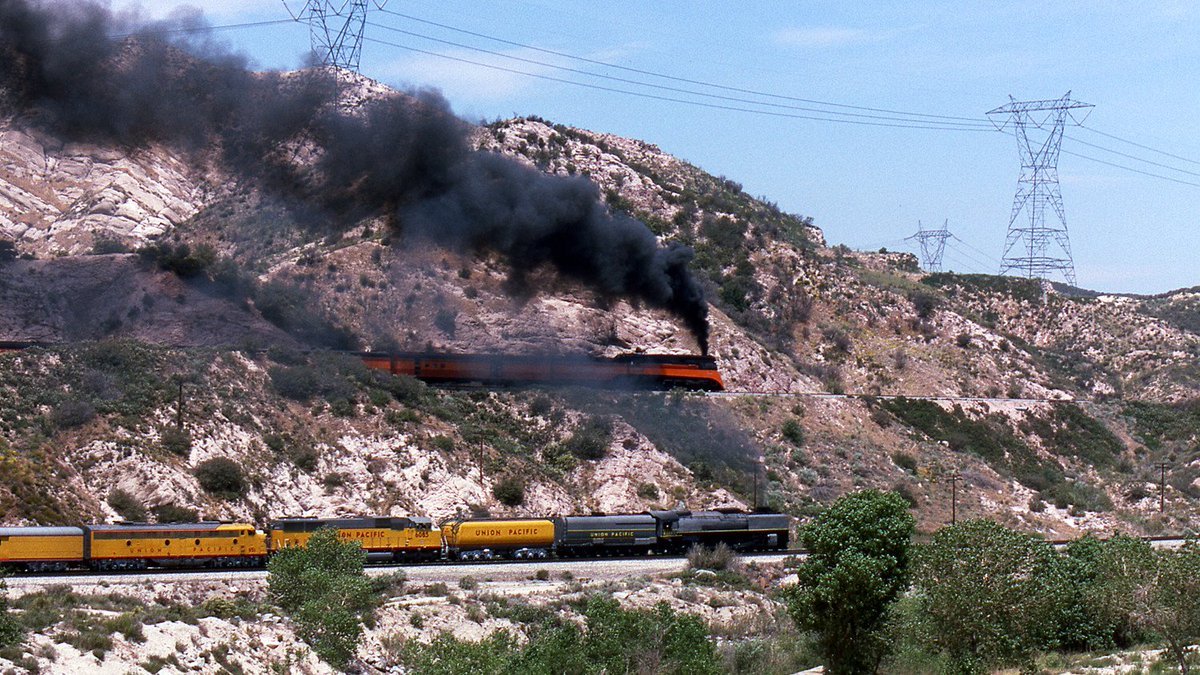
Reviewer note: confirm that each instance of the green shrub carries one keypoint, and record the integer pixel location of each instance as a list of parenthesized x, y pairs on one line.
[(716, 558), (173, 513), (541, 405), (323, 589), (924, 304), (181, 260), (126, 505), (221, 477), (445, 319), (72, 413), (509, 491), (856, 568), (905, 461), (11, 632), (299, 383), (613, 640), (176, 441), (305, 456), (793, 432), (591, 439), (334, 480), (647, 491), (8, 251)]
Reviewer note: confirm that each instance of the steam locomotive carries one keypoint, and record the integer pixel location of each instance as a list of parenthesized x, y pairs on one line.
[(137, 546), (632, 371)]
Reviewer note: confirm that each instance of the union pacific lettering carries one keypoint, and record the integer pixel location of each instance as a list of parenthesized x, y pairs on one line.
[(611, 534), (508, 532), (349, 535)]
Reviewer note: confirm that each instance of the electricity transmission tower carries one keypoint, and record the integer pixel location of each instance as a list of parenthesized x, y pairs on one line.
[(335, 28), (1035, 248), (933, 245)]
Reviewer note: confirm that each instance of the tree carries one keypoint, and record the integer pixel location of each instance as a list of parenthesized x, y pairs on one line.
[(988, 596), (1103, 579), (1171, 607), (857, 566), (323, 589)]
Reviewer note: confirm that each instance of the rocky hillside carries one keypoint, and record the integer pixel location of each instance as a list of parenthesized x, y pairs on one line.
[(1052, 406)]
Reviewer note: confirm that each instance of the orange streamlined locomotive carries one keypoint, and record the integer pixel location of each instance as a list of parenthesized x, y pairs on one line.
[(634, 371), (625, 371)]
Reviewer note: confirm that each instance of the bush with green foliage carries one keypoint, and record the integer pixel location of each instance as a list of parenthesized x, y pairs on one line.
[(221, 477), (72, 413), (989, 597), (173, 513), (509, 491), (613, 640), (126, 505), (715, 558), (11, 631), (591, 439), (793, 432), (1169, 601), (176, 441), (323, 589), (856, 568), (181, 260)]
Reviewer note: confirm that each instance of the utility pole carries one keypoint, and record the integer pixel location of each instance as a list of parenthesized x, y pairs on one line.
[(933, 245), (1027, 247), (954, 478), (1162, 486), (479, 463), (179, 407)]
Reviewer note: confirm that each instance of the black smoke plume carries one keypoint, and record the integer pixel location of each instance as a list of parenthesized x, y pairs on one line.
[(404, 157)]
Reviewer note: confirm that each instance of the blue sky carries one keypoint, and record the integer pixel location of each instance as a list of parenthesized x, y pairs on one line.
[(867, 187)]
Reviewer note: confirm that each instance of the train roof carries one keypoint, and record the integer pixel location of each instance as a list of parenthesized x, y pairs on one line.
[(170, 527), (629, 357), (349, 521), (40, 531)]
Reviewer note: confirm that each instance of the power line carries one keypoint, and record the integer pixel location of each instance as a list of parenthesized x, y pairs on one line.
[(676, 78), (986, 255), (1138, 145), (199, 29), (678, 90), (656, 97), (923, 124), (1129, 168), (1133, 157), (984, 267)]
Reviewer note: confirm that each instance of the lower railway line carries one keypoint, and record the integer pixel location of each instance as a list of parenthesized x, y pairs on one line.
[(446, 571)]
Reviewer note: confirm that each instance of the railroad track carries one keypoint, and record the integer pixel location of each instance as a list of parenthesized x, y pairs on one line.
[(447, 571)]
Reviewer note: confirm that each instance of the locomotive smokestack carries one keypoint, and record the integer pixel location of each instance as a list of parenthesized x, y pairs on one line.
[(405, 157)]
